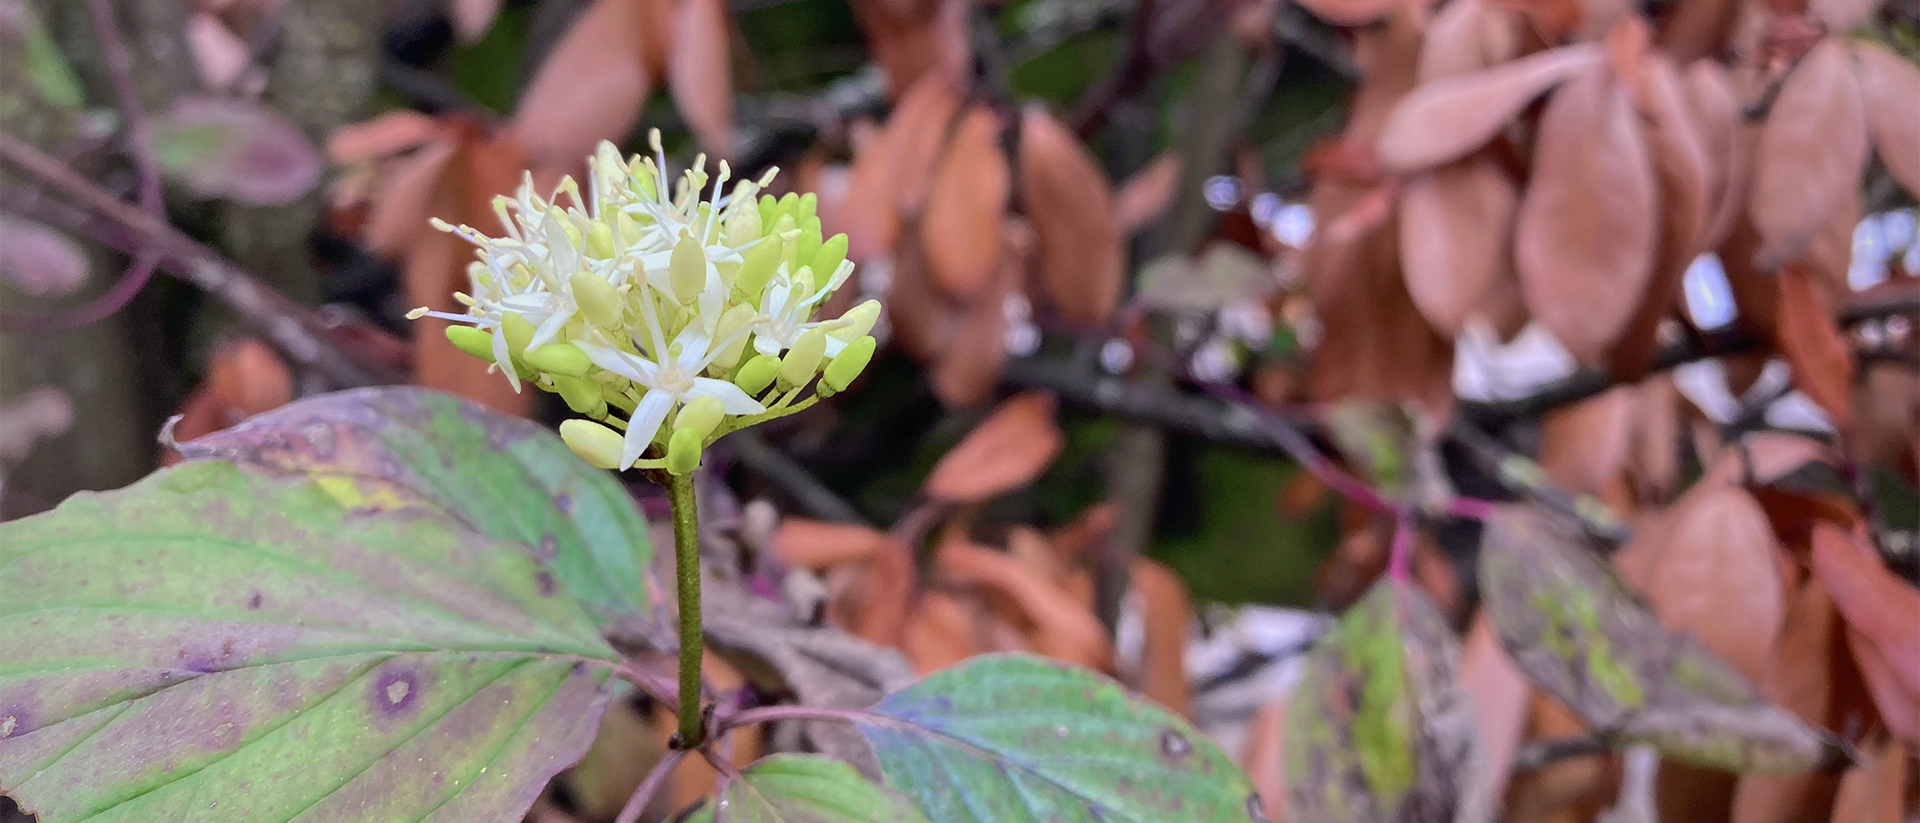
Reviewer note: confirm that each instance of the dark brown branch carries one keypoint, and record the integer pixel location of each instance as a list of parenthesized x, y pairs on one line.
[(273, 315)]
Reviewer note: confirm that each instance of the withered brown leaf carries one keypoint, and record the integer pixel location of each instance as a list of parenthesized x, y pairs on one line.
[(1446, 119), (1812, 149)]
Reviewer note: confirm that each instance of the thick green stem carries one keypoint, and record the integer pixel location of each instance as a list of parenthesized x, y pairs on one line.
[(686, 562)]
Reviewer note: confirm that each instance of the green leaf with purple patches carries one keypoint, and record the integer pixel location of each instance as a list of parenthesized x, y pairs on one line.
[(212, 645), (801, 788), (502, 476), (1009, 738)]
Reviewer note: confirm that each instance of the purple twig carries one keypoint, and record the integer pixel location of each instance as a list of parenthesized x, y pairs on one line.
[(1400, 555), (650, 786)]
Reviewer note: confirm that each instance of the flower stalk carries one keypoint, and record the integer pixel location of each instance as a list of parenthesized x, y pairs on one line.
[(686, 572)]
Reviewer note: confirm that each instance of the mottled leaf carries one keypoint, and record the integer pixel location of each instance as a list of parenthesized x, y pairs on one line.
[(965, 207), (1584, 243), (1888, 86), (1580, 636), (1012, 738), (799, 788), (35, 260), (1066, 196), (1379, 729), (504, 477), (1449, 118), (236, 150), (1812, 149), (212, 645), (1456, 238)]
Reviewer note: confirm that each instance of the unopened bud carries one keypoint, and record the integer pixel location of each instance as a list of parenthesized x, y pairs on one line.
[(757, 374), (600, 240), (472, 341), (809, 206), (597, 299), (857, 321), (701, 417), (559, 358), (786, 232), (594, 443), (832, 252), (809, 245), (758, 268), (789, 206), (582, 394), (803, 360), (803, 281), (519, 333), (848, 364), (683, 452), (768, 209), (687, 269), (743, 227)]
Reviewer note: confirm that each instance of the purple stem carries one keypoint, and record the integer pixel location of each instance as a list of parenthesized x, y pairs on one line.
[(650, 786), (772, 714), (1400, 555)]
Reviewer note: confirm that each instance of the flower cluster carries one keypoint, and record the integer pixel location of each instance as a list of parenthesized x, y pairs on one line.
[(652, 310)]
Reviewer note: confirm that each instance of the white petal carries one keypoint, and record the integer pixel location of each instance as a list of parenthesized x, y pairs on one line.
[(549, 329), (633, 367), (732, 398), (505, 360), (766, 345), (644, 424)]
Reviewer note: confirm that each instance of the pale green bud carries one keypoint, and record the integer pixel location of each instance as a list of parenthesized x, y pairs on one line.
[(758, 268), (786, 232), (642, 175), (583, 395), (472, 341), (757, 374), (768, 209), (687, 268), (519, 334), (594, 443), (803, 360), (809, 245), (858, 321), (808, 207), (559, 358), (701, 417), (600, 240), (789, 207), (743, 227), (848, 364), (597, 299), (683, 452), (728, 356), (803, 280), (833, 251)]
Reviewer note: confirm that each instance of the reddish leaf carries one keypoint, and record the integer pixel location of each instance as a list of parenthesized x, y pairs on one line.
[(1262, 754), (1053, 623), (1883, 609), (1800, 677), (472, 18), (1144, 196), (1585, 240), (1898, 704), (1681, 171), (966, 206), (1726, 141), (1349, 12), (1447, 119), (1467, 36), (1714, 577), (390, 133), (966, 372), (1009, 449), (814, 544), (699, 72), (1167, 611), (1888, 86), (1843, 15), (1875, 789), (1697, 29), (913, 41), (400, 212), (1812, 149), (1584, 446), (1821, 359), (1456, 233), (36, 260), (890, 175), (1066, 197), (1499, 693), (591, 87), (1654, 461)]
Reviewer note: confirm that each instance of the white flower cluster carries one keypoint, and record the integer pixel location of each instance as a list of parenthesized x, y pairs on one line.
[(644, 299)]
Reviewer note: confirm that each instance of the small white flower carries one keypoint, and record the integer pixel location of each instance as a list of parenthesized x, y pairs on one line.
[(786, 312)]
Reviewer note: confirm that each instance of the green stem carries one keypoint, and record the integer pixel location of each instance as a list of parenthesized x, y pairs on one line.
[(686, 557)]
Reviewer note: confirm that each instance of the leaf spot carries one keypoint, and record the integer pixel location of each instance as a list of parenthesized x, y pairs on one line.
[(397, 691), (8, 724), (545, 581), (394, 692), (1175, 745), (549, 547), (253, 603), (1256, 809)]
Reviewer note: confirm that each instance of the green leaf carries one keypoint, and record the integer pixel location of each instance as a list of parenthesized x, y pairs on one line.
[(1578, 633), (1009, 738), (46, 68), (211, 645), (502, 476), (1379, 727), (798, 788)]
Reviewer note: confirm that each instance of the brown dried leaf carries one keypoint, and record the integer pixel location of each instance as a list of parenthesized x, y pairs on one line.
[(1586, 445), (966, 372), (1065, 196), (1801, 678), (1843, 15), (1888, 86), (966, 207), (1681, 172), (915, 41), (472, 18), (1009, 449), (942, 631), (1144, 196), (1875, 789), (815, 544), (1714, 577), (890, 174), (1499, 693), (1449, 118), (390, 133), (1726, 141), (1812, 149), (700, 73), (591, 87), (1456, 237), (1262, 754), (1467, 36), (1812, 344), (400, 213), (1696, 29), (1585, 239), (1349, 12), (1882, 609), (1168, 611), (1654, 461), (1051, 621)]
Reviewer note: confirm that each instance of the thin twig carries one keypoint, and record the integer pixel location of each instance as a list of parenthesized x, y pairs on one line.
[(814, 498), (1541, 753), (286, 324), (775, 714), (1523, 475), (656, 777)]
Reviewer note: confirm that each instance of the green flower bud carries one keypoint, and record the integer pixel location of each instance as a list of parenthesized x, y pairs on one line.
[(559, 358), (803, 280), (594, 443), (743, 227), (768, 207), (472, 341), (786, 232), (701, 417), (582, 394), (683, 452), (519, 334), (642, 176), (803, 360), (848, 364), (757, 374), (597, 299), (858, 321), (758, 268), (832, 252), (600, 240), (789, 206), (809, 245), (808, 207), (687, 269)]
